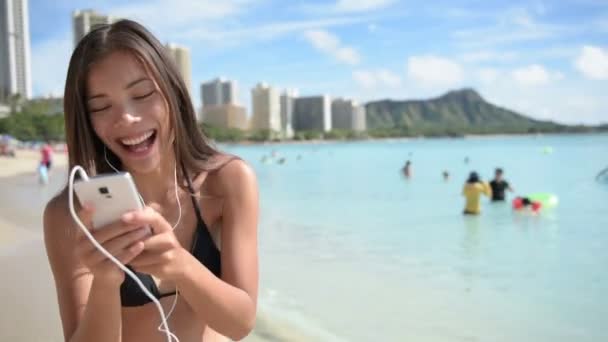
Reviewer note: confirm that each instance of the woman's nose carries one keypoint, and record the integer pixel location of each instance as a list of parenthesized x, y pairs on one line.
[(128, 116)]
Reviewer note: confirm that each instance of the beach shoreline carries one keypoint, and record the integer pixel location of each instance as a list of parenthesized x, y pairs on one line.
[(29, 294)]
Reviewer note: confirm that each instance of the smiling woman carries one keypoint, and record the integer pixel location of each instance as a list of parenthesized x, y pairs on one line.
[(127, 109)]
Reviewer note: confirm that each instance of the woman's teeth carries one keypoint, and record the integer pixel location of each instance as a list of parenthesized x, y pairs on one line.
[(137, 140)]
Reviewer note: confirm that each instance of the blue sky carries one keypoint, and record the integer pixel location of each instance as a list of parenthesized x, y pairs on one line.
[(546, 59)]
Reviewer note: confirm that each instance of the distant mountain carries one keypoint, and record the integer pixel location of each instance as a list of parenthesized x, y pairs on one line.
[(457, 112)]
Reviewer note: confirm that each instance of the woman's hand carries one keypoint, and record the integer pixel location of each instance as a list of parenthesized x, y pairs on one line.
[(123, 241), (162, 253)]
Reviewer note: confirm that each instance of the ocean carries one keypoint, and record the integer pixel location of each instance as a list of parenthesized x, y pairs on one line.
[(352, 251)]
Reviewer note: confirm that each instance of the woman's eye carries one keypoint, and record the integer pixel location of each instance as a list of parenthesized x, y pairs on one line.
[(143, 96), (101, 109)]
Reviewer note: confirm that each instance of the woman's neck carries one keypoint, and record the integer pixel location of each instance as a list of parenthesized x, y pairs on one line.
[(159, 185)]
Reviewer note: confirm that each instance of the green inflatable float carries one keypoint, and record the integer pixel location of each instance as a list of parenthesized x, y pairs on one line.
[(546, 199)]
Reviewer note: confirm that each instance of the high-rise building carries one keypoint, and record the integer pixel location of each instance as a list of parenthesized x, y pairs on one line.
[(225, 116), (218, 92), (84, 21), (229, 91), (15, 69), (265, 108), (347, 115), (287, 99), (312, 113), (181, 56)]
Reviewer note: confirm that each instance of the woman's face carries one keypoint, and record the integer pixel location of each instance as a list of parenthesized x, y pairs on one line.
[(128, 111)]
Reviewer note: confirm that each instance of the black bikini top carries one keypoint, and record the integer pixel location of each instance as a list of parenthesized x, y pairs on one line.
[(203, 249)]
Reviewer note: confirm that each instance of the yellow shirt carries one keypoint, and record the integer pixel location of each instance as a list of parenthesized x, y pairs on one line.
[(472, 192)]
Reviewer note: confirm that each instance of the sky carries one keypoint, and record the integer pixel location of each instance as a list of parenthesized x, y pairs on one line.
[(545, 59)]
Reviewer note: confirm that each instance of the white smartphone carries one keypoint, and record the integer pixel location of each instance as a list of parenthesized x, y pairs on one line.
[(112, 195)]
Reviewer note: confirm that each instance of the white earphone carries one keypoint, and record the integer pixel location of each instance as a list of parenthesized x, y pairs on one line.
[(164, 326)]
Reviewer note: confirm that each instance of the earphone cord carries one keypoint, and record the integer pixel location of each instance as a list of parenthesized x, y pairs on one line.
[(164, 326)]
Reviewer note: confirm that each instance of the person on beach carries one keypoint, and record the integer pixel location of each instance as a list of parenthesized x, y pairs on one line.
[(472, 191), (126, 106), (46, 155), (44, 167), (499, 185)]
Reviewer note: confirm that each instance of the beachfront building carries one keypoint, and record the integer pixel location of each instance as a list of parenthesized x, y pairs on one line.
[(15, 67), (347, 115), (83, 21), (222, 93), (287, 102), (312, 113), (226, 116), (266, 109), (218, 92), (181, 57)]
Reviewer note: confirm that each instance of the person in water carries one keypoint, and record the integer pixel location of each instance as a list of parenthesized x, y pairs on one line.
[(127, 106), (499, 185), (525, 203), (446, 175), (407, 169), (472, 191)]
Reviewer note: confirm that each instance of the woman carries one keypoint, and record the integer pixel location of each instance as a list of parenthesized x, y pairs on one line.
[(472, 191), (126, 106)]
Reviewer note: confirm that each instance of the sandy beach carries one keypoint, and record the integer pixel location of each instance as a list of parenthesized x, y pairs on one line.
[(27, 288)]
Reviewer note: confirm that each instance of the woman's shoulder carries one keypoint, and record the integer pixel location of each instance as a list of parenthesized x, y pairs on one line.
[(58, 204), (232, 174)]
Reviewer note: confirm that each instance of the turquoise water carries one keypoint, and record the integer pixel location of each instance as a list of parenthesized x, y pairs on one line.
[(351, 251)]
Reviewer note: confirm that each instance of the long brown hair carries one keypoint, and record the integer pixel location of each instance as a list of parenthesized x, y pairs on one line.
[(192, 148)]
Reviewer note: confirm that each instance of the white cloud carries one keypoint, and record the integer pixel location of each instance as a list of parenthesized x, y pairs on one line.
[(488, 75), (346, 6), (366, 79), (331, 45), (434, 70), (488, 55), (535, 74), (531, 75), (388, 78), (513, 26), (182, 13), (380, 78), (593, 63), (262, 32), (54, 52), (361, 5)]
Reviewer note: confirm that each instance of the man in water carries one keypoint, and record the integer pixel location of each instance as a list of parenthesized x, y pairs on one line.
[(499, 185)]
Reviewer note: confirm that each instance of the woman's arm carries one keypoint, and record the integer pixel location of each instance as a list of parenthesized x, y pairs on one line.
[(228, 305), (90, 310)]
